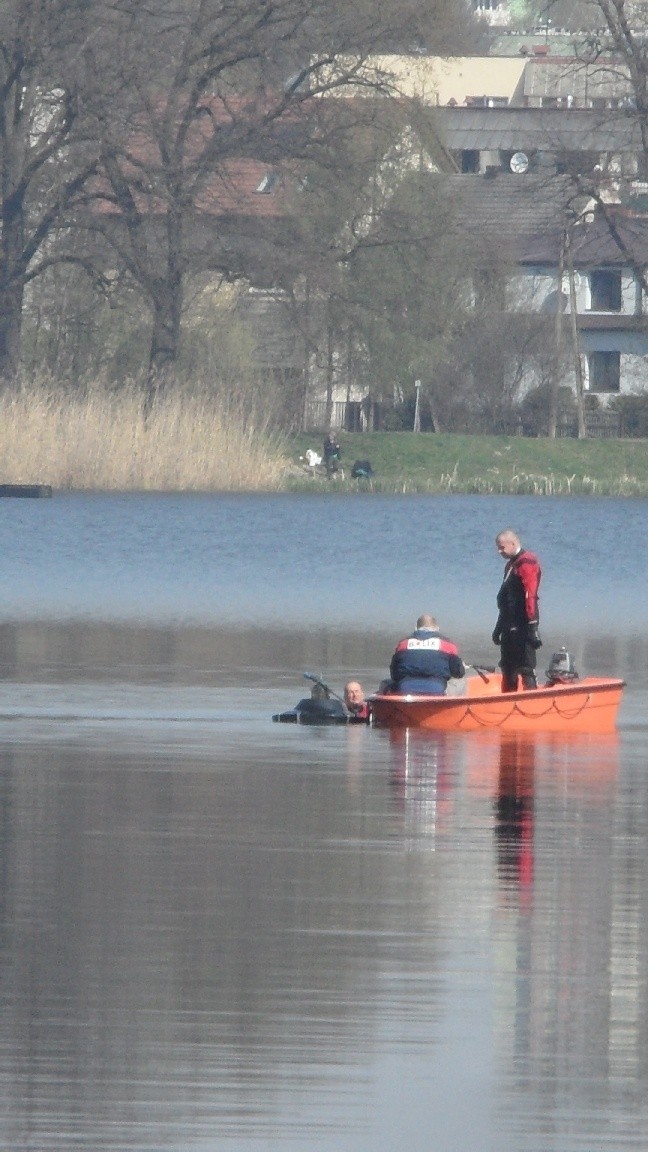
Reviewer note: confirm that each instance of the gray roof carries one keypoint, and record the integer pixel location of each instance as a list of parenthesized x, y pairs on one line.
[(539, 129), (522, 220), (602, 79), (593, 244), (503, 214)]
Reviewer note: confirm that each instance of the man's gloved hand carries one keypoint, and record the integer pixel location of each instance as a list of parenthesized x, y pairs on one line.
[(497, 637), (534, 638)]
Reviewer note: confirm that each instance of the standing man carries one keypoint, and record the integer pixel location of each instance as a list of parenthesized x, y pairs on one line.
[(516, 631), (332, 455)]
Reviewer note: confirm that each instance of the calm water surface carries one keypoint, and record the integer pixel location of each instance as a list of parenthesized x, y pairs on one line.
[(220, 933)]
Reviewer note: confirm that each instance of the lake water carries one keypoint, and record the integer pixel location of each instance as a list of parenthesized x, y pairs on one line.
[(217, 932)]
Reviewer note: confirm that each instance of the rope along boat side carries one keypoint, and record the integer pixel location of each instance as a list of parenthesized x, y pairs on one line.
[(587, 705)]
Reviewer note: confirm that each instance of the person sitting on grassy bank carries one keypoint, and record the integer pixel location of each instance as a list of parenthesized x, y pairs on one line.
[(332, 455)]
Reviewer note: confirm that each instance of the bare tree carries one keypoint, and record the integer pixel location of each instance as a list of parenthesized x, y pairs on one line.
[(46, 153), (622, 44), (619, 47), (209, 85)]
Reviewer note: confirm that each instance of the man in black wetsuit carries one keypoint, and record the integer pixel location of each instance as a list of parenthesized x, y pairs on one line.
[(516, 631)]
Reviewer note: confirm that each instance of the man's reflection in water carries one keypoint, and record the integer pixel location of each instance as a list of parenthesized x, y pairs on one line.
[(514, 812), (356, 736), (422, 778)]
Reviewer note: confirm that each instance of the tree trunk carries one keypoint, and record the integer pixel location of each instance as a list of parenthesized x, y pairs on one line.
[(11, 307), (578, 367), (165, 338), (12, 283), (434, 411), (555, 380), (330, 374)]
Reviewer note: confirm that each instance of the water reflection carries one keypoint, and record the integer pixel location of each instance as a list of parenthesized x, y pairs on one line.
[(220, 932), (423, 777), (566, 910), (514, 813), (275, 938)]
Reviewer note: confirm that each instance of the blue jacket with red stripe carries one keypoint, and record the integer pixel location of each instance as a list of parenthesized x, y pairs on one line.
[(424, 662)]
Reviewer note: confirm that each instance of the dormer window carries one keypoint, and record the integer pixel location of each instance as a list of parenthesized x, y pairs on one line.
[(605, 290), (469, 160)]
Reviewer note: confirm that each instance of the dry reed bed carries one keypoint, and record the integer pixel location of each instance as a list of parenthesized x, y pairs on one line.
[(102, 439)]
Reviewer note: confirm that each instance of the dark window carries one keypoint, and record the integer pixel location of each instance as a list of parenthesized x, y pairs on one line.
[(470, 160), (576, 163), (605, 290), (604, 371)]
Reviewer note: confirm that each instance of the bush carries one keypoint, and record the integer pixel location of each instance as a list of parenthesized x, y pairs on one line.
[(634, 414), (534, 409)]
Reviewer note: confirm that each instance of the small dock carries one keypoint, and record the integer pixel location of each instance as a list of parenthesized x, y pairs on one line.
[(29, 491)]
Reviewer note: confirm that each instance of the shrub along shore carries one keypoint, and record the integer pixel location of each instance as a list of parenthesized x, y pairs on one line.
[(97, 438), (512, 465)]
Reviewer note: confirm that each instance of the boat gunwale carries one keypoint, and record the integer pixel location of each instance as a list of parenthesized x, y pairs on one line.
[(586, 684)]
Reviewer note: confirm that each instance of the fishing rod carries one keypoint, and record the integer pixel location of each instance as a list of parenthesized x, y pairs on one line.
[(481, 670), (329, 691)]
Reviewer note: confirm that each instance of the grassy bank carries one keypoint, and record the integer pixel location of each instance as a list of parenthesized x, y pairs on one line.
[(95, 438), (100, 439), (410, 462)]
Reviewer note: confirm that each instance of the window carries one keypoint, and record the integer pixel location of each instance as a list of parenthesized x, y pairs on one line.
[(604, 370), (470, 160), (576, 163), (605, 290)]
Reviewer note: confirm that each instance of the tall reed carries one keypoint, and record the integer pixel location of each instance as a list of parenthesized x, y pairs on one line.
[(97, 438)]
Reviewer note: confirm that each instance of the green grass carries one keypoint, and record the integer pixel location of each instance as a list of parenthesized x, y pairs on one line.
[(425, 462)]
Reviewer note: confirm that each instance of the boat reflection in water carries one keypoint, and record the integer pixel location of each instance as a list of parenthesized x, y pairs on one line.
[(431, 770), (556, 763), (423, 776), (521, 774)]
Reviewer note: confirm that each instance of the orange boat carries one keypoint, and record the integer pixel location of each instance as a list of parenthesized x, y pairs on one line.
[(587, 705)]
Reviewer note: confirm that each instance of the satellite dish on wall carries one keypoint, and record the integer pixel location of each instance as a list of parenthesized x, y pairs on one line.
[(519, 163)]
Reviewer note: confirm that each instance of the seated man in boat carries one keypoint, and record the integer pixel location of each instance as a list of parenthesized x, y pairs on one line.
[(424, 662), (354, 698)]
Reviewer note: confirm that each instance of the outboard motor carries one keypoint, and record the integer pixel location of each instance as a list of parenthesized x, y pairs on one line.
[(561, 669)]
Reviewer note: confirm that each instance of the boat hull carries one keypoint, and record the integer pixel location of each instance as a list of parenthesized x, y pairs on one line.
[(588, 705)]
